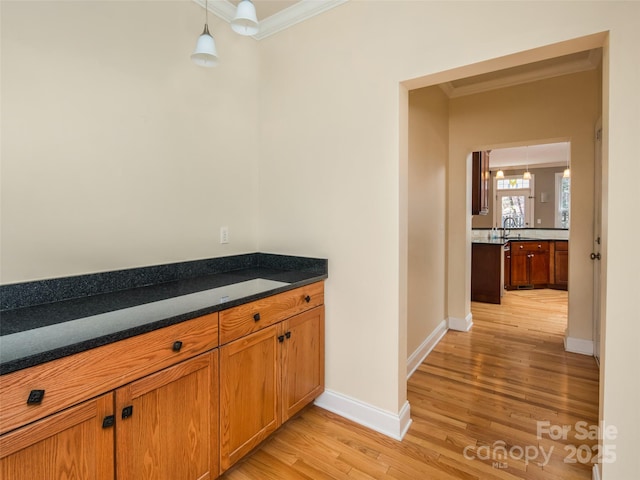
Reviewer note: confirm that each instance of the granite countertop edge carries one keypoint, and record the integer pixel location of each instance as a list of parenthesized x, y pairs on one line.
[(504, 241), (295, 271)]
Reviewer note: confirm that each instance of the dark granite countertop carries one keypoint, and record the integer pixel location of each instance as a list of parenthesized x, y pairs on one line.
[(490, 241), (49, 319)]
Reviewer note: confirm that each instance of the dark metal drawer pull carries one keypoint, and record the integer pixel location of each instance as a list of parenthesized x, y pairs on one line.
[(35, 397), (177, 345), (256, 317), (127, 412)]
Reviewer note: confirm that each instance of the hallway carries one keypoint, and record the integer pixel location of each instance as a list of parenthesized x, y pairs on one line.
[(473, 392)]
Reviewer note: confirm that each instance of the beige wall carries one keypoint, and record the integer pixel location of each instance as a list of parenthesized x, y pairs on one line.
[(117, 151), (564, 108), (545, 181), (331, 140), (428, 158), (330, 151)]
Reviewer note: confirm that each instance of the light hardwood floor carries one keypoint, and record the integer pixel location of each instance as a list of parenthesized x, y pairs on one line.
[(474, 391)]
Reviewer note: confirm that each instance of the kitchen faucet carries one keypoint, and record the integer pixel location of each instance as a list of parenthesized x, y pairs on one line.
[(507, 224)]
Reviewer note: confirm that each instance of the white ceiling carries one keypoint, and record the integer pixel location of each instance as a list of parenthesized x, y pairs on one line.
[(535, 156), (273, 15)]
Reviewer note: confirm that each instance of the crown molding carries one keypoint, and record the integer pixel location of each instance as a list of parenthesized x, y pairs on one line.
[(508, 80), (286, 18)]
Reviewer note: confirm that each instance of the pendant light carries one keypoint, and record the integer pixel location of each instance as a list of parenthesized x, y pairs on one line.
[(205, 53), (245, 21), (527, 175), (567, 171), (499, 174)]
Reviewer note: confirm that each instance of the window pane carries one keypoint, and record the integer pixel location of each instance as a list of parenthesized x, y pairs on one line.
[(512, 183), (513, 211), (565, 200)]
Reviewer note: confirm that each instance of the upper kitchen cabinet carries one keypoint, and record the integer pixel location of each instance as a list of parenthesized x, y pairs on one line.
[(480, 183)]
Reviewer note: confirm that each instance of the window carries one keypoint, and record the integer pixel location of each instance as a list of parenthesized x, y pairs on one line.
[(563, 201), (513, 203)]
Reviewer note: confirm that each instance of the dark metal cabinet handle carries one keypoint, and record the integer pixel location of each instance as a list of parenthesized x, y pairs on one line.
[(109, 421), (256, 317), (281, 338), (35, 397), (288, 335), (177, 345), (307, 299), (127, 412)]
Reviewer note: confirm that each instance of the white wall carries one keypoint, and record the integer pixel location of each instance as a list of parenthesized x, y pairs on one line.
[(565, 108), (117, 151), (427, 189), (331, 166), (330, 148)]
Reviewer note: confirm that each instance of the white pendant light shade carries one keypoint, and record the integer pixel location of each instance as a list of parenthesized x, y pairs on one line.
[(499, 174), (526, 175), (566, 173), (205, 54), (245, 21)]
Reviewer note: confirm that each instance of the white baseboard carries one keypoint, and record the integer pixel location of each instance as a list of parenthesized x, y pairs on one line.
[(417, 357), (578, 345), (461, 324), (383, 421), (595, 473)]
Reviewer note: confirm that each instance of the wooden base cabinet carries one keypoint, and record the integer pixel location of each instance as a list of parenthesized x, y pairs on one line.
[(267, 377), (529, 264), (248, 394), (167, 423), (71, 444)]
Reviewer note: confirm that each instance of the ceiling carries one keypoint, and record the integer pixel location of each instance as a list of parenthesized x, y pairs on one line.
[(530, 72), (273, 15)]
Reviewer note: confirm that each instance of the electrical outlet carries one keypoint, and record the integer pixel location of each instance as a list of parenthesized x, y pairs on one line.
[(224, 234)]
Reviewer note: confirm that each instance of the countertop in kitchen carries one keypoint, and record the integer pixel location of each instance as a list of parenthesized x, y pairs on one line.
[(49, 319)]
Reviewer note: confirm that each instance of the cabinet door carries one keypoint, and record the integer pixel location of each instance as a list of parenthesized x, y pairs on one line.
[(71, 444), (507, 269), (167, 423), (539, 268), (519, 268), (561, 267), (248, 393), (302, 360)]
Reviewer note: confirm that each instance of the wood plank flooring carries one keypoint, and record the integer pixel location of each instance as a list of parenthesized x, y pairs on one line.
[(477, 391)]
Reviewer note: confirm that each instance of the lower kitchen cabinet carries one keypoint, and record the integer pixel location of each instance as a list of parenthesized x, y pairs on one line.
[(71, 444), (169, 404), (561, 265), (529, 264), (267, 377), (302, 360), (167, 423), (248, 393)]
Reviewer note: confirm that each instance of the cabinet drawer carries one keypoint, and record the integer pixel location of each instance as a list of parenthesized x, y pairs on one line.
[(529, 246), (73, 379), (244, 319)]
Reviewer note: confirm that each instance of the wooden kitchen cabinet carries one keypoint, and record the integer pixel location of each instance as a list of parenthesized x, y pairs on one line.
[(486, 272), (529, 264), (302, 360), (480, 179), (167, 425), (561, 265), (77, 443), (170, 433), (507, 266), (248, 394), (269, 375)]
